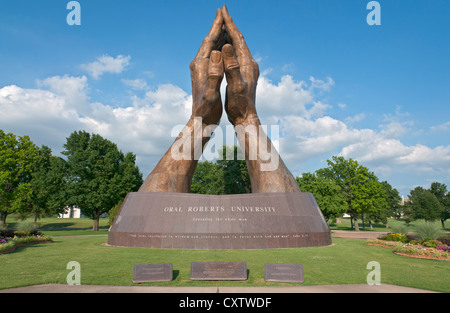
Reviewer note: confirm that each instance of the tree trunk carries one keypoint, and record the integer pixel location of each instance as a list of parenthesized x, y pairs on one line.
[(3, 215), (96, 222), (356, 223), (370, 225), (364, 225)]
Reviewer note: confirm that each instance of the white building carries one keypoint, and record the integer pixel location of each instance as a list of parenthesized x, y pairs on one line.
[(70, 212)]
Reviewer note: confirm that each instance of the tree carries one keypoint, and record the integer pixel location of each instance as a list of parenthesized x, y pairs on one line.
[(446, 211), (208, 179), (48, 185), (100, 174), (17, 158), (223, 177), (235, 171), (422, 204), (361, 189), (326, 192), (393, 200), (392, 209), (441, 193)]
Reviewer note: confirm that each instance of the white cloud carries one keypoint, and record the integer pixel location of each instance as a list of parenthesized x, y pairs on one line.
[(106, 64), (355, 119), (49, 116), (441, 127), (136, 84), (320, 84), (71, 90), (42, 114), (289, 97)]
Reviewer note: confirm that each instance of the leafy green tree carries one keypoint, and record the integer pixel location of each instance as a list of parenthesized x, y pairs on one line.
[(17, 158), (441, 193), (48, 185), (226, 176), (327, 193), (361, 188), (235, 171), (208, 179), (100, 174), (392, 209), (393, 200), (422, 204)]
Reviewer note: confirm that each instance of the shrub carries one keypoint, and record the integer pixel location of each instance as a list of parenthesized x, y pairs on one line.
[(393, 244), (445, 240), (113, 212), (8, 233), (400, 229), (26, 226), (395, 237), (22, 233), (428, 231), (431, 243)]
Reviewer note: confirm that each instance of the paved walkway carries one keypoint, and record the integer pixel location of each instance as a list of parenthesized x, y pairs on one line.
[(151, 289), (357, 234)]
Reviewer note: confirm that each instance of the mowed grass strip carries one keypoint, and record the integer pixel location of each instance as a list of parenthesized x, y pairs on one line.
[(343, 263)]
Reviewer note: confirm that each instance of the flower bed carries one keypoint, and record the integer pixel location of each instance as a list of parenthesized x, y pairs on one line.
[(426, 250), (8, 245)]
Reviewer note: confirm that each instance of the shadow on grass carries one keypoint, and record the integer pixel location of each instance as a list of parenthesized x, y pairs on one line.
[(31, 245)]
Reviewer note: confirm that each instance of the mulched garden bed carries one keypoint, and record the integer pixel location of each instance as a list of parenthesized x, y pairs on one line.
[(418, 256)]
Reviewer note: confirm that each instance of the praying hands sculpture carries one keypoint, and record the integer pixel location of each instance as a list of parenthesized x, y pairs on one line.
[(223, 52)]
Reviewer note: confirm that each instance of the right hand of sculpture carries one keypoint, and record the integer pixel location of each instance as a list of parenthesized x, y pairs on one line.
[(242, 73)]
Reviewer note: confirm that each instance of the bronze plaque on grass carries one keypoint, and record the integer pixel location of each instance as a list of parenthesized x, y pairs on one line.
[(147, 273), (292, 273), (218, 271)]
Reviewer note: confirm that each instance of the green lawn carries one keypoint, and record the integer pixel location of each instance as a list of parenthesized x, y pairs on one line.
[(53, 226), (343, 263), (392, 223)]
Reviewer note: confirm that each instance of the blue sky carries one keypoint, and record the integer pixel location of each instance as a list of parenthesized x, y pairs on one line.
[(334, 84)]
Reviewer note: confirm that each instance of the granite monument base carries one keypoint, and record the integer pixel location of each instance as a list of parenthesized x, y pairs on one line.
[(228, 222)]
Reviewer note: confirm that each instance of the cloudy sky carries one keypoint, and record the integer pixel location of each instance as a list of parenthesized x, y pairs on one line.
[(333, 84)]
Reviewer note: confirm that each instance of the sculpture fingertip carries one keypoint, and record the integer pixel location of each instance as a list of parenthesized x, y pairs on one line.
[(225, 9)]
